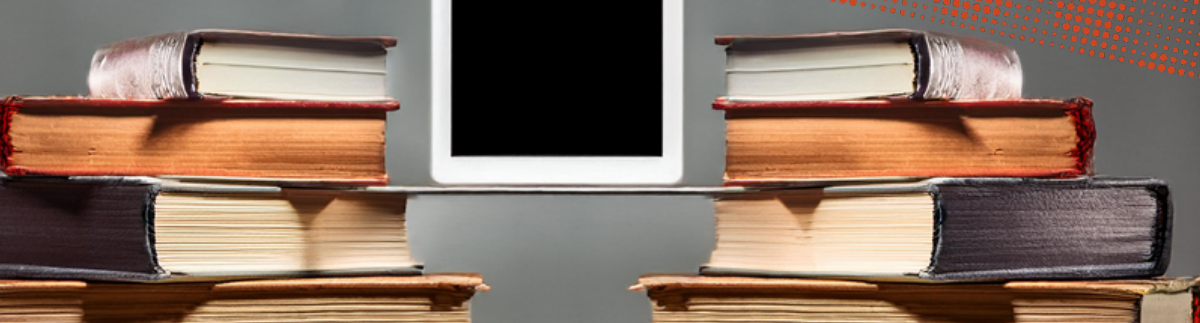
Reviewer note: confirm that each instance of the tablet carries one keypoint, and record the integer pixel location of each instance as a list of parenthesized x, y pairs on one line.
[(537, 93)]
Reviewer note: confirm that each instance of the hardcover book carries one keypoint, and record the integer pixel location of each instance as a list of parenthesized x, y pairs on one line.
[(769, 143), (143, 230), (677, 298), (893, 63), (215, 63), (340, 142), (430, 298), (948, 229)]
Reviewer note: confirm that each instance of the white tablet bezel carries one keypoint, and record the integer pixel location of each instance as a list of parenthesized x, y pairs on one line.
[(665, 170)]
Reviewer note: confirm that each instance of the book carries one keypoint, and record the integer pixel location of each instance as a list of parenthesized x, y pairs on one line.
[(784, 143), (336, 142), (680, 298), (219, 63), (949, 229), (892, 63), (429, 298), (147, 230)]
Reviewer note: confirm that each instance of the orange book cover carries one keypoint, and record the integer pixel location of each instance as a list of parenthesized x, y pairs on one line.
[(319, 141), (775, 143)]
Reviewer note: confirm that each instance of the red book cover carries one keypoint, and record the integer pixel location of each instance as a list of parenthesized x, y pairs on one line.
[(784, 142), (335, 142)]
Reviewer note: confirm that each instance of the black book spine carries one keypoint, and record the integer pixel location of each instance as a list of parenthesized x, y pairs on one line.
[(1012, 229), (73, 229)]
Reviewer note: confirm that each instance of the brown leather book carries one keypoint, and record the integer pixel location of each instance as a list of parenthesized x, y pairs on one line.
[(783, 143), (429, 298), (218, 63), (680, 298), (339, 142), (891, 63)]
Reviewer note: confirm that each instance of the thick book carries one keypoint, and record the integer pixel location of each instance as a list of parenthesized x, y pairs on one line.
[(948, 229), (789, 142), (146, 230), (678, 298), (430, 298), (216, 63), (341, 142), (893, 63)]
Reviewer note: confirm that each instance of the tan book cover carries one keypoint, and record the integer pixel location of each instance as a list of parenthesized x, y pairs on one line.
[(687, 298), (429, 298)]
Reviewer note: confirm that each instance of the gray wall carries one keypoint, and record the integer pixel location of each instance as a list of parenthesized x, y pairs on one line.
[(570, 258)]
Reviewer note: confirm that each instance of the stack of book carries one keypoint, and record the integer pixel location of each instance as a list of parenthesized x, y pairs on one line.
[(231, 166), (953, 199)]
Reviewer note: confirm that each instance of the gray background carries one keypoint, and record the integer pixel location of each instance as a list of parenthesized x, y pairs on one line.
[(570, 258)]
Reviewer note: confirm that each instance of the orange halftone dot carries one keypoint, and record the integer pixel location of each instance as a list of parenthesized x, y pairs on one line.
[(1077, 20)]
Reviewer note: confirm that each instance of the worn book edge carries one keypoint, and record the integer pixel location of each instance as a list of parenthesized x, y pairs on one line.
[(663, 282), (162, 66), (12, 105), (947, 66), (1155, 266), (467, 282), (1079, 110)]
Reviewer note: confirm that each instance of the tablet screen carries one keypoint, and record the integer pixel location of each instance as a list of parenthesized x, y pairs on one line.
[(533, 78)]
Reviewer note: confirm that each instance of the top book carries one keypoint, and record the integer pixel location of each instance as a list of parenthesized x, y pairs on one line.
[(243, 64), (868, 64)]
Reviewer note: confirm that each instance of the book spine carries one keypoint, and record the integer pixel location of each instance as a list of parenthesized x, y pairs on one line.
[(951, 67), (1080, 111), (1050, 229), (8, 108), (153, 67), (98, 229), (1195, 306)]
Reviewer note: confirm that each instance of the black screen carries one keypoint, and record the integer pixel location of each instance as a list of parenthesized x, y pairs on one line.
[(534, 78)]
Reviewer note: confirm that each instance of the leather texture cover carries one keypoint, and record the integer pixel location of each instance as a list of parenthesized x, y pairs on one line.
[(95, 229), (995, 229), (1013, 229), (1079, 111), (102, 229), (12, 105), (948, 66), (163, 66)]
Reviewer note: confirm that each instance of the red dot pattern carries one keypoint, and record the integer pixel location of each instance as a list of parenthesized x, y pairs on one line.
[(1100, 28)]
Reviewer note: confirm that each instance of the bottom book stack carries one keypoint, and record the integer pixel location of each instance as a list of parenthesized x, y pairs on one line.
[(952, 250), (428, 298), (741, 299)]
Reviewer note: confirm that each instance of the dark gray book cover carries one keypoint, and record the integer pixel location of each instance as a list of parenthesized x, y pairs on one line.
[(989, 229), (103, 228)]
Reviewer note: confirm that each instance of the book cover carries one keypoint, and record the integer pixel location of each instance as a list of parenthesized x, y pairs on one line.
[(782, 143), (428, 298), (682, 298), (949, 229), (333, 142), (169, 66), (926, 65), (145, 230)]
